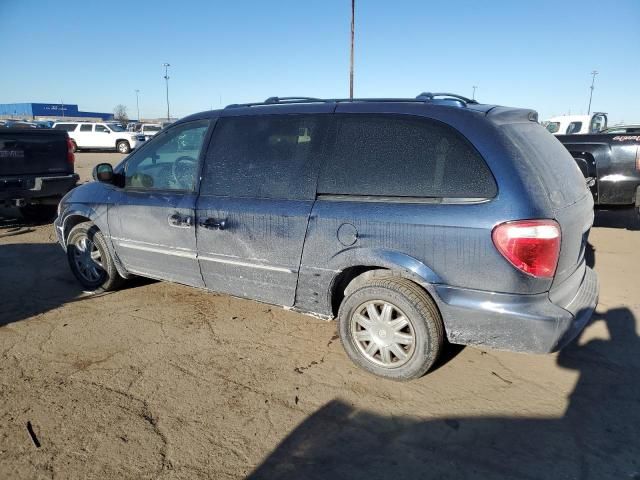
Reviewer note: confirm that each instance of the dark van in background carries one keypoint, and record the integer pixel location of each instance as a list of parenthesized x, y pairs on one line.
[(410, 220)]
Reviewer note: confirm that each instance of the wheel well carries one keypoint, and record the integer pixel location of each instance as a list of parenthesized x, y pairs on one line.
[(72, 222), (586, 163), (122, 140), (342, 280)]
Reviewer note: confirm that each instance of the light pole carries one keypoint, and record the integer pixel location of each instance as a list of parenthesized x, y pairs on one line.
[(166, 77), (593, 81), (138, 104), (353, 27), (473, 97)]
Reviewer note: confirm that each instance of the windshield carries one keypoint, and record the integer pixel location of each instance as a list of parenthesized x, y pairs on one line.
[(116, 128)]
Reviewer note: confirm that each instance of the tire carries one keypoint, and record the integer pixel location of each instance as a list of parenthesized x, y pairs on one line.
[(39, 213), (123, 147), (406, 299), (98, 272)]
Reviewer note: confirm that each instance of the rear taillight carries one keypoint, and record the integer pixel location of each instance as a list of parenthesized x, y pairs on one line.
[(638, 158), (532, 246), (71, 158)]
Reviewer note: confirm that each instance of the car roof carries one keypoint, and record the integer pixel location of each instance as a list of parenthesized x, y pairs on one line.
[(420, 105)]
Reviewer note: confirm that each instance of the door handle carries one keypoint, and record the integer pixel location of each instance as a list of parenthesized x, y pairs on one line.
[(180, 221), (213, 224)]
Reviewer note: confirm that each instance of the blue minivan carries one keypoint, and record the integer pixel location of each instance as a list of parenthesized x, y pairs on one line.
[(410, 221)]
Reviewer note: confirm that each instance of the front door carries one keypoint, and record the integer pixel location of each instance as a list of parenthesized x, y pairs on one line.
[(256, 196), (152, 220)]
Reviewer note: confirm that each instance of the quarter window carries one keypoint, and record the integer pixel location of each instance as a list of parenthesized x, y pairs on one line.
[(264, 156), (390, 155), (170, 162)]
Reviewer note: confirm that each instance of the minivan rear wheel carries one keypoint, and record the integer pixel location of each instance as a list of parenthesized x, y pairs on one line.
[(90, 260), (392, 328)]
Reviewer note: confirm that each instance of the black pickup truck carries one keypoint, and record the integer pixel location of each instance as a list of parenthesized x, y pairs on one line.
[(613, 162), (36, 170)]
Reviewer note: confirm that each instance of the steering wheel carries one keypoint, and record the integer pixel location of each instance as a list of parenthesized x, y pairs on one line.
[(183, 170)]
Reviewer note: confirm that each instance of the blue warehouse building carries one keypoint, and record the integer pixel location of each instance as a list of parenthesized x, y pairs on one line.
[(39, 111)]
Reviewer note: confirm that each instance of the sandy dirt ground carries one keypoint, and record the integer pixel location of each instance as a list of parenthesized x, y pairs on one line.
[(164, 381)]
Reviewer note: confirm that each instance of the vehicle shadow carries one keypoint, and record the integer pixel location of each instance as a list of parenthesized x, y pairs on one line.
[(623, 218), (34, 278), (596, 438)]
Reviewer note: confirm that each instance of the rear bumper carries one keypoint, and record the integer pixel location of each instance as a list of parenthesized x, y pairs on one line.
[(22, 190), (522, 323)]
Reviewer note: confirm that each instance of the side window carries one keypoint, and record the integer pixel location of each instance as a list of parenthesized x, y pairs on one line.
[(170, 162), (574, 127), (553, 127), (266, 156), (400, 156), (598, 122), (86, 128), (69, 127), (101, 128)]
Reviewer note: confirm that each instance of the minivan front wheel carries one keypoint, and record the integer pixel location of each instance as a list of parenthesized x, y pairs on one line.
[(392, 328), (90, 260)]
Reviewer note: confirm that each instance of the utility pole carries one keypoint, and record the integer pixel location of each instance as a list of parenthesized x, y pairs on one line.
[(353, 27), (473, 97), (138, 104), (166, 77), (593, 81)]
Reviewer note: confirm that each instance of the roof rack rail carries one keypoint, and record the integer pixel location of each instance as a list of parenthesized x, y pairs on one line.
[(422, 98), (428, 96), (272, 100)]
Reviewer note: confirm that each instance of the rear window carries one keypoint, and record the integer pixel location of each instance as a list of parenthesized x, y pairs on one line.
[(86, 128), (550, 161), (69, 127), (402, 156)]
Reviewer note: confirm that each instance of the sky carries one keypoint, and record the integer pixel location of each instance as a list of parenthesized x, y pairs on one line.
[(536, 54)]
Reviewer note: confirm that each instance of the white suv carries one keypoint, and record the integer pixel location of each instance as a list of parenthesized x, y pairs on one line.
[(150, 129), (101, 136)]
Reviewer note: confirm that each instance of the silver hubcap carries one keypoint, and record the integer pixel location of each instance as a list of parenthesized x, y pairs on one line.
[(87, 259), (383, 334), (123, 147)]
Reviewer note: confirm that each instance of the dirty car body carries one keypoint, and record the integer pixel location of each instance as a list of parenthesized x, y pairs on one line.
[(306, 203)]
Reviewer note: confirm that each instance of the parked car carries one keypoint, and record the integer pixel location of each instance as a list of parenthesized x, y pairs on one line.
[(611, 162), (44, 123), (19, 124), (410, 220), (36, 170), (149, 130), (100, 136), (627, 129), (573, 124)]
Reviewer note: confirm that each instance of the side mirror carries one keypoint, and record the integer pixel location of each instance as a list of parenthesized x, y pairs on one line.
[(103, 172)]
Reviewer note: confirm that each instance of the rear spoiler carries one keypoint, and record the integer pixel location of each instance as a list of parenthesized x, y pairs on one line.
[(503, 115)]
